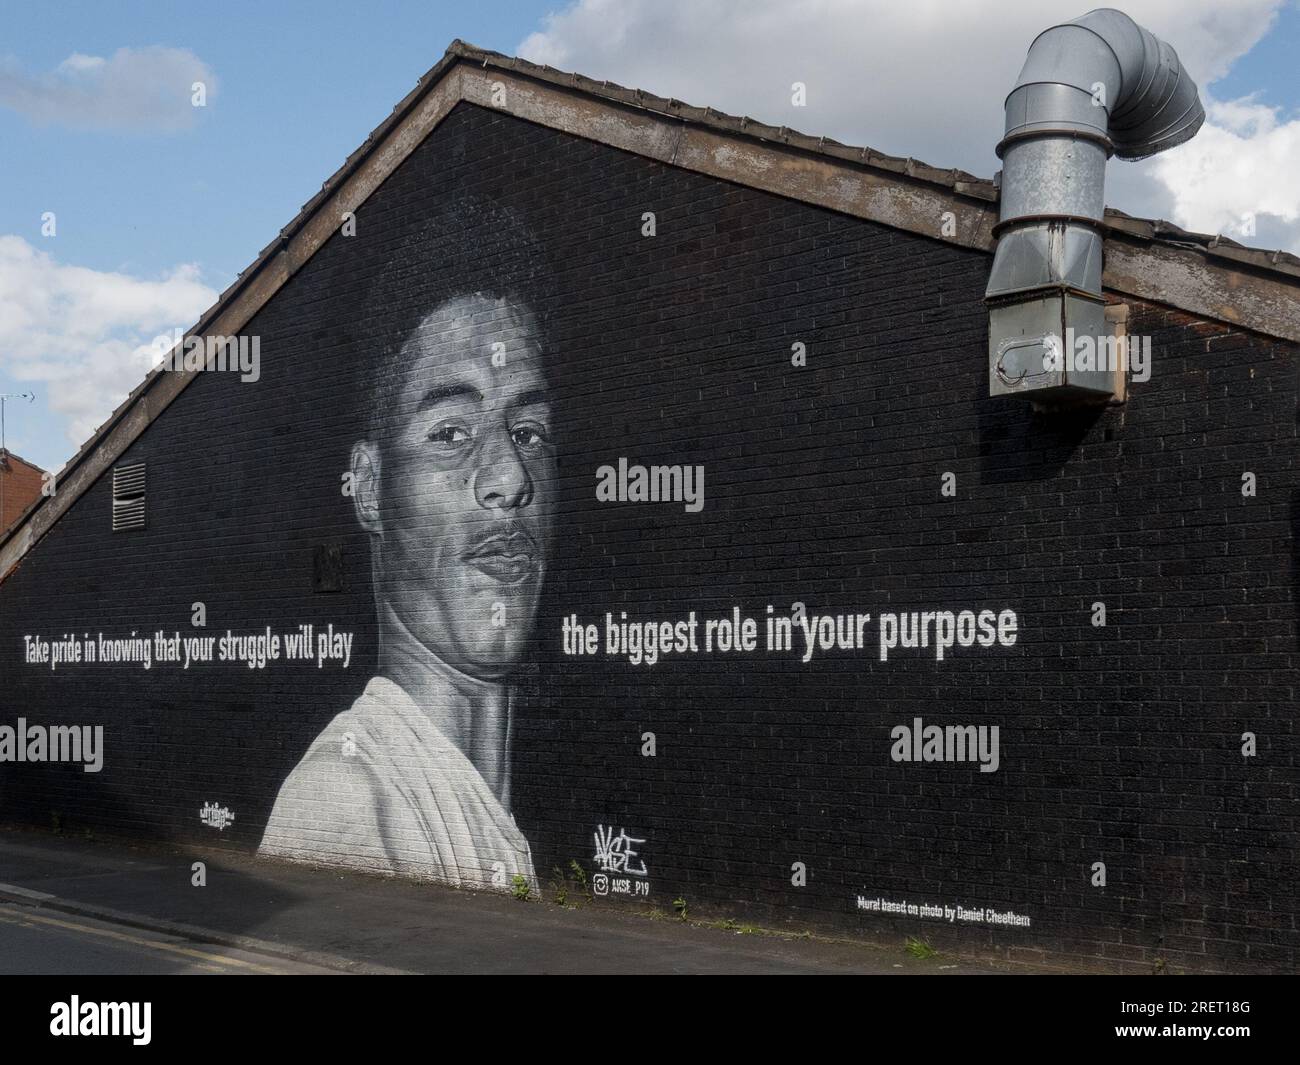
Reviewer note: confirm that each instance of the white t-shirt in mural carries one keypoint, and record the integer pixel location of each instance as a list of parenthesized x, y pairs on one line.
[(383, 789)]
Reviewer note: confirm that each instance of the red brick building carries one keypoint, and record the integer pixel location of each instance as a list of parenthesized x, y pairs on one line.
[(20, 486)]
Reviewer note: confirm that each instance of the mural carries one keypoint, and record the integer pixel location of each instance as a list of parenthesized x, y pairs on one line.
[(683, 562), (454, 488)]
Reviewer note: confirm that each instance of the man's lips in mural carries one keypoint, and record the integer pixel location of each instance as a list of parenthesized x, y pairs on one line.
[(509, 557)]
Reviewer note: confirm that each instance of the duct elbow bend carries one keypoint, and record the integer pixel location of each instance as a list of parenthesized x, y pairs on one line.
[(1104, 75)]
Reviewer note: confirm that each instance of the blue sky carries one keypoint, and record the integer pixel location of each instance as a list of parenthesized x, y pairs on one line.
[(1272, 68), (299, 86), (154, 219)]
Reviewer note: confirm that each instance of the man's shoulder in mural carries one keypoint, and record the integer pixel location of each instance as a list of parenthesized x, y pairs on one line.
[(382, 788)]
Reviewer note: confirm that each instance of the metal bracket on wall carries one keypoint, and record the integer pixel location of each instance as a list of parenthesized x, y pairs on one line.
[(1117, 320)]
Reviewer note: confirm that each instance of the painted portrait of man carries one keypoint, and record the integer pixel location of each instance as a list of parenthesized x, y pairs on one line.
[(453, 485)]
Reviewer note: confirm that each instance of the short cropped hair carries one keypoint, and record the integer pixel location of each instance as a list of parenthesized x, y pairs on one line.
[(468, 246)]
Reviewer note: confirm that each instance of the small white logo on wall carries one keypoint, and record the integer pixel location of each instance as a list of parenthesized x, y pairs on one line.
[(617, 855), (215, 816)]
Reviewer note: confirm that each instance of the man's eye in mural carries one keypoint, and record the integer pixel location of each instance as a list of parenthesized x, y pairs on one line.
[(451, 437), (530, 436)]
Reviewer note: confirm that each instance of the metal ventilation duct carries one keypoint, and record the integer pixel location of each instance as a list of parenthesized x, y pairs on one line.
[(1098, 85)]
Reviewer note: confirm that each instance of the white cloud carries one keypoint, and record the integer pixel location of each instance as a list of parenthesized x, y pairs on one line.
[(1237, 176), (927, 79), (86, 334), (141, 89)]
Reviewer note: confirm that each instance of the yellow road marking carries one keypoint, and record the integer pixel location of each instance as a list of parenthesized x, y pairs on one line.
[(13, 916)]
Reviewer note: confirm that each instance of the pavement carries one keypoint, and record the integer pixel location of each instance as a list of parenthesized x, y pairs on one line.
[(84, 906)]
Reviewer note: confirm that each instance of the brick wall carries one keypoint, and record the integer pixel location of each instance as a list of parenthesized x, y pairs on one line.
[(22, 486), (1119, 744)]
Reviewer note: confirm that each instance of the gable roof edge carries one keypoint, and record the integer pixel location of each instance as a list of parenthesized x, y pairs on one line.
[(1202, 276)]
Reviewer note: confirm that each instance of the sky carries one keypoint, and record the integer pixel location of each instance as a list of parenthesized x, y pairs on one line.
[(127, 204)]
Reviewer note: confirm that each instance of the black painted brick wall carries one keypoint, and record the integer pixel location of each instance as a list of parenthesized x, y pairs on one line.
[(1119, 744)]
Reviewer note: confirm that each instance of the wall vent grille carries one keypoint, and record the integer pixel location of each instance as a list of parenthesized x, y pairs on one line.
[(128, 497)]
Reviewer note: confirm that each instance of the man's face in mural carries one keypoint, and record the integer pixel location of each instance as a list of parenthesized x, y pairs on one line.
[(458, 490)]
